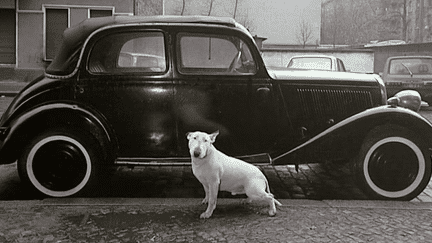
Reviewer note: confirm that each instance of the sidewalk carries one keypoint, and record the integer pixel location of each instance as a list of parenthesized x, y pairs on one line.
[(177, 220), (10, 87)]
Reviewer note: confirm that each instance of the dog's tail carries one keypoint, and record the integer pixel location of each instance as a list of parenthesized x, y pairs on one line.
[(268, 191)]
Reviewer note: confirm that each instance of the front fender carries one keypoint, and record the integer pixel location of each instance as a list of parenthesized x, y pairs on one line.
[(30, 123), (346, 137)]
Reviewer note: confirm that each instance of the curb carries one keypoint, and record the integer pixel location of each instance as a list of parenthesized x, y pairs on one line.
[(8, 93), (122, 202), (11, 88)]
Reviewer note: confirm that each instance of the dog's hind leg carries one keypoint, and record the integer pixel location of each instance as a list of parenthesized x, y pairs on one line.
[(259, 192), (271, 201)]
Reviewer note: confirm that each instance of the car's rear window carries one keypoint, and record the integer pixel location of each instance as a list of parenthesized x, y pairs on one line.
[(129, 52), (407, 66), (313, 63)]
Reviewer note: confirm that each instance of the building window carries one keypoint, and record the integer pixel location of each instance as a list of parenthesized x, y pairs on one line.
[(7, 36), (60, 17), (56, 21), (94, 13)]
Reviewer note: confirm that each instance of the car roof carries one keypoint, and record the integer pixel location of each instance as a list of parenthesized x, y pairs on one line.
[(74, 37), (408, 57), (315, 56), (86, 27)]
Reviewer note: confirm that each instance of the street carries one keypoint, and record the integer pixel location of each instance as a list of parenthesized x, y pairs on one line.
[(162, 204), (313, 181)]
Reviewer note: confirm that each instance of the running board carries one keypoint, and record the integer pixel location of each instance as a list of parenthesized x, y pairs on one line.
[(263, 159)]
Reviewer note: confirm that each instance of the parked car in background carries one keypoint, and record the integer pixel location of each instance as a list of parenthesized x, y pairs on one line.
[(99, 106), (153, 62), (409, 73), (317, 62)]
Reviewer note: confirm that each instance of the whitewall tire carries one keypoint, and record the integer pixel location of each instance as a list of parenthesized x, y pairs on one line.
[(393, 164), (59, 163)]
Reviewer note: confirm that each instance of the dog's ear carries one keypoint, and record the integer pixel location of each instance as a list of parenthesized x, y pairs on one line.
[(213, 136), (188, 135)]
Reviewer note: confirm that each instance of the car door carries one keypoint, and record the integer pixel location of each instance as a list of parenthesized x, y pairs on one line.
[(128, 80), (218, 88)]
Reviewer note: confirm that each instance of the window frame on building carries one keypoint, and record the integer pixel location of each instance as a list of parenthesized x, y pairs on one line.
[(8, 42), (48, 52)]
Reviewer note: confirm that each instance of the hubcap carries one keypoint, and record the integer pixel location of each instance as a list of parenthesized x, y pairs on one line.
[(393, 166), (59, 166)]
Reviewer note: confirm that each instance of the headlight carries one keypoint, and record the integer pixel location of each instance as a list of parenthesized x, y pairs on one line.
[(409, 99)]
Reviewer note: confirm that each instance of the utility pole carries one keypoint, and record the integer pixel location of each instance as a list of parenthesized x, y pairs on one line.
[(421, 21)]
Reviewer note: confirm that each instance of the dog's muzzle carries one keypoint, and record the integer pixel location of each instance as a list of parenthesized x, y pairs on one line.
[(196, 153)]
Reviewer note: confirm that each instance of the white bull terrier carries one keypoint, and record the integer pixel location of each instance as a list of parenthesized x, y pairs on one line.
[(217, 171)]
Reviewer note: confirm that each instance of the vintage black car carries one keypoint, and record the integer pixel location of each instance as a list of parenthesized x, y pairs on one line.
[(126, 90)]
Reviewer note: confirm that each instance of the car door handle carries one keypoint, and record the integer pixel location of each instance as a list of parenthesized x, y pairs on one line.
[(79, 89), (263, 89)]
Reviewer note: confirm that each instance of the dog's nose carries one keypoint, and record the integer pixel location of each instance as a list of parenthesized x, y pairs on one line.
[(196, 154)]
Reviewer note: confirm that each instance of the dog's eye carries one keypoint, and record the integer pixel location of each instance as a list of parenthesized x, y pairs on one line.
[(194, 138), (205, 140)]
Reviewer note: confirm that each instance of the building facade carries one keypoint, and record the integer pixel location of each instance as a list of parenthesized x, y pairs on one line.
[(360, 22), (30, 31)]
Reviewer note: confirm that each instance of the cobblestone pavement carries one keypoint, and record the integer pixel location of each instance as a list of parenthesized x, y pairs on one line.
[(177, 220), (140, 216), (326, 181)]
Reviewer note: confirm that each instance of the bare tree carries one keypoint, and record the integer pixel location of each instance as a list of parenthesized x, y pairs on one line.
[(358, 22), (210, 8), (304, 34), (183, 7), (235, 9), (400, 15)]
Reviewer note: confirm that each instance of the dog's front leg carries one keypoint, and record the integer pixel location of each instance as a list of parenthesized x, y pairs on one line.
[(206, 190), (213, 189)]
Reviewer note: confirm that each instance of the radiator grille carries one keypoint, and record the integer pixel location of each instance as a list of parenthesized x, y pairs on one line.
[(330, 103)]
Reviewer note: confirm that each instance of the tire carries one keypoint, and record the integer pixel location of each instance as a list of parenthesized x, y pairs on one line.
[(393, 164), (60, 163)]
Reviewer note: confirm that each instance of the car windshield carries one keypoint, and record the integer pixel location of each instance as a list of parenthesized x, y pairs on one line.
[(316, 63), (411, 66)]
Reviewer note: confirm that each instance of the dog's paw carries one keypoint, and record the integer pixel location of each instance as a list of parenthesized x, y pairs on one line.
[(246, 201), (205, 215)]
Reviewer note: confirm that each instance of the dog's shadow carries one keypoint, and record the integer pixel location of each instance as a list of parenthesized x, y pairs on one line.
[(238, 210)]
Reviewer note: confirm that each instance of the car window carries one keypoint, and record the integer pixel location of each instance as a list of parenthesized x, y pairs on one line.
[(214, 55), (129, 52), (411, 66), (314, 63)]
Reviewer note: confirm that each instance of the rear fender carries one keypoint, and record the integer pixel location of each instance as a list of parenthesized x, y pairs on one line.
[(41, 118), (345, 138)]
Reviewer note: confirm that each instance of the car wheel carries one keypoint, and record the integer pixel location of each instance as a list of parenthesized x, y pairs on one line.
[(59, 162), (393, 163)]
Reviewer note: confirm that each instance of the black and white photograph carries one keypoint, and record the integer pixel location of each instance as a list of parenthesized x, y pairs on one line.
[(215, 121)]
